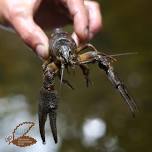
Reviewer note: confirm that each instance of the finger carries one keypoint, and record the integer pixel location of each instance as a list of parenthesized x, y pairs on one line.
[(95, 17), (80, 17), (32, 35)]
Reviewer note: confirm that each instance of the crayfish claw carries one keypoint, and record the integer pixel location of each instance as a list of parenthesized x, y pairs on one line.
[(103, 64), (52, 117), (48, 105), (122, 90), (42, 120), (129, 100)]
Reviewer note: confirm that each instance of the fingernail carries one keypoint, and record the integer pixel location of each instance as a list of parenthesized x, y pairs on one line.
[(41, 51)]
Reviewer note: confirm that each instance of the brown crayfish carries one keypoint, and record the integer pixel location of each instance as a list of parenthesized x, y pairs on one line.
[(64, 53)]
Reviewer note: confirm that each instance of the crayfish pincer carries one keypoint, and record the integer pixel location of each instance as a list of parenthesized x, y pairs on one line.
[(64, 53)]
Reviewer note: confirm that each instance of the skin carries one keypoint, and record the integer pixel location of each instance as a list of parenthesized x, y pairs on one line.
[(29, 18)]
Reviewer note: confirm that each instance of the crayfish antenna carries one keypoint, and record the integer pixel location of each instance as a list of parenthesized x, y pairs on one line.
[(123, 54)]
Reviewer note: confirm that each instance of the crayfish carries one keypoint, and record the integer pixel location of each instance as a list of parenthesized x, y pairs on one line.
[(65, 54)]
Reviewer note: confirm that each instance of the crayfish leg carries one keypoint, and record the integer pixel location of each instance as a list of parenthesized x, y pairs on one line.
[(66, 82), (86, 72)]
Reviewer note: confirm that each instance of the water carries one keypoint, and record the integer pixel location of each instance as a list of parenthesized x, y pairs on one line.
[(93, 119)]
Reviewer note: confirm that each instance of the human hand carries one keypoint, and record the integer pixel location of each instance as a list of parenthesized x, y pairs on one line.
[(30, 17)]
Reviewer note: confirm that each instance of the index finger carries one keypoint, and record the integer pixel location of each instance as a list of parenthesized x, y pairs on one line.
[(80, 17)]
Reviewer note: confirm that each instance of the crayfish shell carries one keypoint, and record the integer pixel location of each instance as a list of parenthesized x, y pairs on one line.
[(58, 39), (24, 141)]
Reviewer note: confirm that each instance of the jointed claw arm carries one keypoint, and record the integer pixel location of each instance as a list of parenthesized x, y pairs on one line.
[(103, 61), (48, 102), (105, 65)]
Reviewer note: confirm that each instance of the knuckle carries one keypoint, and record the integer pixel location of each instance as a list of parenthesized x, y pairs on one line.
[(17, 13), (96, 5)]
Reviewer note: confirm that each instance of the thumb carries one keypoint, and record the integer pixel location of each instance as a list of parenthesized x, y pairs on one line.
[(32, 35)]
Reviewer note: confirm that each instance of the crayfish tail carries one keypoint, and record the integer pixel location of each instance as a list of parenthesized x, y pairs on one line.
[(52, 117)]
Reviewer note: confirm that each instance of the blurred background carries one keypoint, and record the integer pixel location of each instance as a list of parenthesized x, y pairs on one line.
[(93, 119)]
